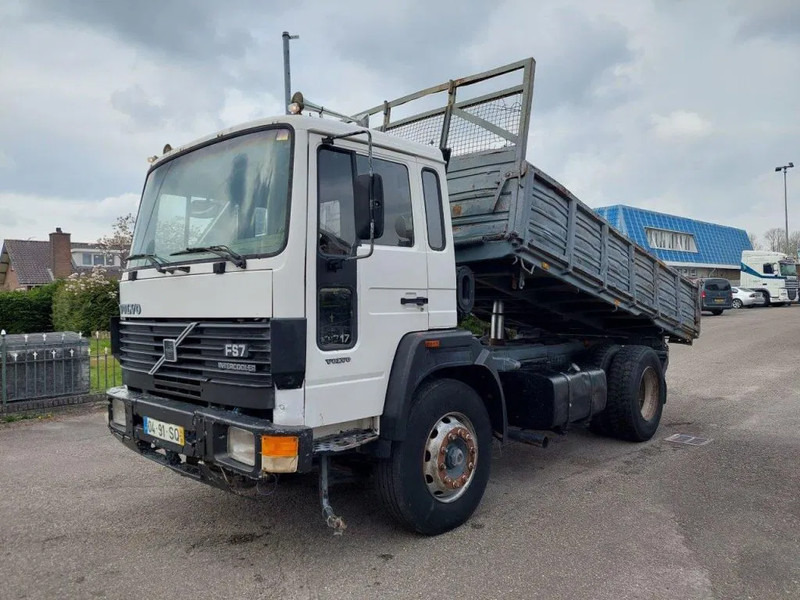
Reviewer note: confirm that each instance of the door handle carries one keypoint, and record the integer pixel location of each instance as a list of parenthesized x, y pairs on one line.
[(419, 301)]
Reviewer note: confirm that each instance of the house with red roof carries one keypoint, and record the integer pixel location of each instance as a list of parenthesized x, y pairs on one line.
[(26, 264)]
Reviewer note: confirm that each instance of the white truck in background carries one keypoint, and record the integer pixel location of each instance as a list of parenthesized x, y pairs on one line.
[(772, 274)]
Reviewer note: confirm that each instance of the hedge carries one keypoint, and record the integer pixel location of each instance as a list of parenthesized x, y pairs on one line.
[(28, 311), (85, 303)]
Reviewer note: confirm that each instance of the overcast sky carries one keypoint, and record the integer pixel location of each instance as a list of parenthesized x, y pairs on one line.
[(672, 105)]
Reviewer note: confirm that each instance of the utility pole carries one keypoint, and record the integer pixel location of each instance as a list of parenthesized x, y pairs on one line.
[(287, 76), (785, 199)]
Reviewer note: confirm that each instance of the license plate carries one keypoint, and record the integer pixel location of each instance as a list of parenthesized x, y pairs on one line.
[(164, 431), (719, 300)]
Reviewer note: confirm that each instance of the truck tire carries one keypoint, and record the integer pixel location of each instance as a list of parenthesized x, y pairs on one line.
[(636, 394), (436, 476), (599, 357), (766, 296)]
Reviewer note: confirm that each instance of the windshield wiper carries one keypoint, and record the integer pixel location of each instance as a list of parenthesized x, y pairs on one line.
[(154, 259), (220, 250)]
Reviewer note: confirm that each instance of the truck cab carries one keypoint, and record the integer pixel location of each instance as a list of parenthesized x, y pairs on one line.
[(772, 274), (234, 232)]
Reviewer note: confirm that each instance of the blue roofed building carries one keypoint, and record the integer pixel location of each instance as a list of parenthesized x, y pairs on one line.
[(695, 248)]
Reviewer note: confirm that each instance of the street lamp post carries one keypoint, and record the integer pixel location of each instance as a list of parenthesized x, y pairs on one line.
[(287, 76), (785, 200)]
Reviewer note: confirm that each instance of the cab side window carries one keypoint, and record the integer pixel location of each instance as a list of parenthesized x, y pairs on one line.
[(336, 199), (399, 223), (768, 269), (432, 192)]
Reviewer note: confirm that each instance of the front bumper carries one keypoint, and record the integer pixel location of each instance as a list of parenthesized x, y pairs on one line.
[(204, 454)]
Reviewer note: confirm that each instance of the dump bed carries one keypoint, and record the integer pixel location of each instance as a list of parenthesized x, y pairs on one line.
[(556, 264)]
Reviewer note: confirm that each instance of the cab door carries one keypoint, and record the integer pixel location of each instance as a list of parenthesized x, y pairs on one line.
[(440, 253), (362, 307)]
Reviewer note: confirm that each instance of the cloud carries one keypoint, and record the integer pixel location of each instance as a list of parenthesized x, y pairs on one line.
[(677, 106), (135, 103), (87, 220), (775, 20), (199, 32), (680, 125), (6, 162)]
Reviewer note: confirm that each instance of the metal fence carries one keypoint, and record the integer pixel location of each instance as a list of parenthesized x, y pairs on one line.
[(52, 365)]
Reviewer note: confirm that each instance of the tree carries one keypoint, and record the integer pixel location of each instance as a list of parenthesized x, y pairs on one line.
[(794, 244), (775, 239), (754, 241), (85, 302), (121, 236)]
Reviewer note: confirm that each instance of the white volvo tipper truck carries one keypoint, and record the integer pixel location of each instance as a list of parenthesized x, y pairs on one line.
[(295, 286)]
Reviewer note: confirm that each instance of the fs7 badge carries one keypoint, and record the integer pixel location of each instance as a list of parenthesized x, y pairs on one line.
[(236, 351)]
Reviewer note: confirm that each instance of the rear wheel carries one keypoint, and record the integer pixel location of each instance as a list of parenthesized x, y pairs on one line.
[(737, 303), (599, 357), (436, 476), (636, 394)]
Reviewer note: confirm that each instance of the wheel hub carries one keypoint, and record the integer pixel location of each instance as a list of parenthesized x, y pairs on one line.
[(649, 393), (451, 454)]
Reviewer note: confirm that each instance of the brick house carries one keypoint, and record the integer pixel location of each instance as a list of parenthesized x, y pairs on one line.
[(26, 264)]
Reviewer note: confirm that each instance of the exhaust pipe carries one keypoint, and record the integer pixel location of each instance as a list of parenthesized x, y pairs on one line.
[(529, 437)]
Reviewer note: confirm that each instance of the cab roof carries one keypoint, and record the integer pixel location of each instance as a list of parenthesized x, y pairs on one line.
[(317, 125)]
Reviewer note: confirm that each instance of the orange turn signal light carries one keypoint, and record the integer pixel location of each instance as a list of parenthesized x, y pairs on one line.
[(432, 343), (279, 445)]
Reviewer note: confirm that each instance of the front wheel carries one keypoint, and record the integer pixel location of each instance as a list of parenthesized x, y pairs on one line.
[(737, 303), (437, 475), (767, 300)]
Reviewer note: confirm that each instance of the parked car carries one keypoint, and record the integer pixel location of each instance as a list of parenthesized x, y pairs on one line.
[(745, 297), (716, 295)]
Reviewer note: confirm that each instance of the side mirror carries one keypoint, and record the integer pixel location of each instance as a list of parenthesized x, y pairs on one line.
[(362, 207)]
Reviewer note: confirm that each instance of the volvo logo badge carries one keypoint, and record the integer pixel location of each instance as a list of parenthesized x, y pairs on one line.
[(171, 348), (130, 309), (170, 351)]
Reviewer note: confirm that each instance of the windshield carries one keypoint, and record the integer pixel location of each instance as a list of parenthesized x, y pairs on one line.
[(233, 193), (788, 270)]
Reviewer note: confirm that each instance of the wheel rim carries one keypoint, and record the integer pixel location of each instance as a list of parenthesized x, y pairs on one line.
[(737, 303), (451, 455), (649, 396)]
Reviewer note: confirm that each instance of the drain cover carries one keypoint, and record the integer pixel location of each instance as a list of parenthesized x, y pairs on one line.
[(689, 440)]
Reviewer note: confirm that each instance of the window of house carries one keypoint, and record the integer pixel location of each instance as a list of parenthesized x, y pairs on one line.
[(86, 259), (98, 259), (432, 192), (664, 239)]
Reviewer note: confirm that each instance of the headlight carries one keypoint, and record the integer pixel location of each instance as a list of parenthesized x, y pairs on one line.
[(118, 412), (242, 446)]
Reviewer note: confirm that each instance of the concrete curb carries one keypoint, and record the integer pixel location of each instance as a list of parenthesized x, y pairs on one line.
[(48, 403)]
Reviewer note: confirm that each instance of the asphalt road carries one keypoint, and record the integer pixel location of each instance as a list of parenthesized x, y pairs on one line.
[(587, 518)]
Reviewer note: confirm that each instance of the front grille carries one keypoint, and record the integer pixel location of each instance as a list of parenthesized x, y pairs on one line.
[(201, 364), (791, 288)]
